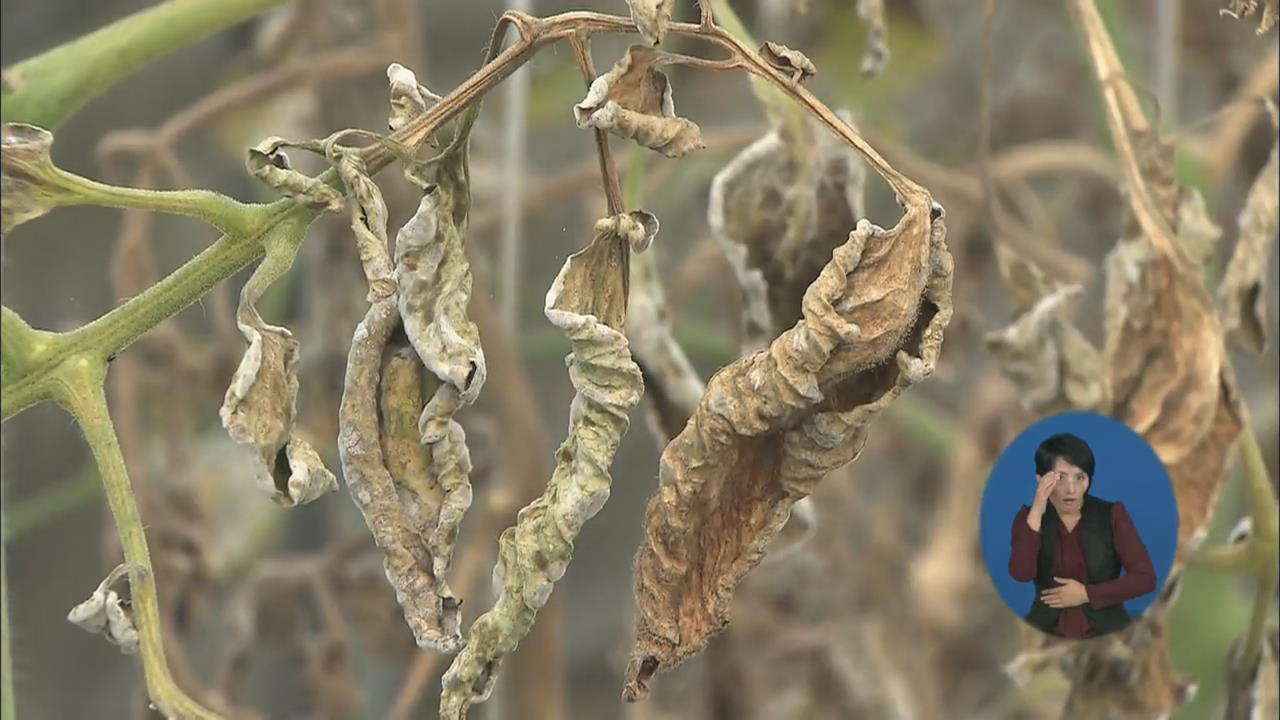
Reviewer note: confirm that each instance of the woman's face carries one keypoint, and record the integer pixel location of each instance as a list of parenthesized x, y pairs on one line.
[(1068, 494)]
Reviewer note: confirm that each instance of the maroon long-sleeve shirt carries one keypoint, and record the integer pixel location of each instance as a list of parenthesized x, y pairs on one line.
[(1139, 577)]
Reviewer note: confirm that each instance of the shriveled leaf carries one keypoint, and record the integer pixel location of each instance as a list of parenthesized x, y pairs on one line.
[(772, 424), (1053, 365), (434, 279), (369, 225), (1166, 361), (876, 54), (651, 18), (27, 174), (430, 609), (104, 613), (408, 98), (788, 61), (633, 100), (260, 406), (267, 162), (1244, 8), (778, 209), (1241, 295), (534, 554)]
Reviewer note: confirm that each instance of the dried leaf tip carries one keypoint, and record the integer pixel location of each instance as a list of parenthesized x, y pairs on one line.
[(408, 97), (104, 613), (267, 162), (1243, 8), (30, 184), (633, 100), (652, 18), (791, 62)]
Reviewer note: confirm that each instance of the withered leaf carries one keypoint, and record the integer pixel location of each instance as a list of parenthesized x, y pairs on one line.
[(434, 279), (772, 424), (260, 405), (368, 224), (777, 210), (791, 62), (534, 554), (633, 100), (429, 608), (1241, 295), (1055, 368), (408, 98), (28, 177), (1166, 361), (1244, 8), (651, 18), (876, 55), (267, 162), (104, 613)]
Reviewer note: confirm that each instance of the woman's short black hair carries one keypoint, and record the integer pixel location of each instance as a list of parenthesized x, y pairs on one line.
[(1069, 448)]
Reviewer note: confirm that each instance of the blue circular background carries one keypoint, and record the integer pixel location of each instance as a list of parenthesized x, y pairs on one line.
[(1126, 470)]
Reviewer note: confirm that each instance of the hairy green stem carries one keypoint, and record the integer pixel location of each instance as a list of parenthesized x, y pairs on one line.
[(81, 393), (47, 89), (227, 215), (1264, 543)]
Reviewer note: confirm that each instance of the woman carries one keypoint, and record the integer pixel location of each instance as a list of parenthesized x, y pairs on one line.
[(1074, 546)]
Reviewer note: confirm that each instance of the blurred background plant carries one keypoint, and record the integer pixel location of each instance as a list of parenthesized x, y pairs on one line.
[(879, 609)]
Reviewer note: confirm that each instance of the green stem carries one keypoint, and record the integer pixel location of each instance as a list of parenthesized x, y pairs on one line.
[(81, 394), (113, 332), (1264, 543), (46, 89), (7, 702), (229, 216)]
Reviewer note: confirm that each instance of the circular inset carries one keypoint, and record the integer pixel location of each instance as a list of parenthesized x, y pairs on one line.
[(1079, 525)]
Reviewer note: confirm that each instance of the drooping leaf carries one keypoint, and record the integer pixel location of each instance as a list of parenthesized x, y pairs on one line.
[(1053, 365), (408, 98), (534, 553), (633, 100), (260, 405), (772, 424), (788, 61), (778, 209), (104, 613)]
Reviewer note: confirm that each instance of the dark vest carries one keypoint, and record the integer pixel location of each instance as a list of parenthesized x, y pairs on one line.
[(1101, 563)]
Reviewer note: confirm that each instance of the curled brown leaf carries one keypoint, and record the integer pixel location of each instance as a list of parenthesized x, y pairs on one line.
[(1054, 366), (788, 61), (27, 174), (267, 162), (777, 210), (771, 425), (633, 100), (104, 613)]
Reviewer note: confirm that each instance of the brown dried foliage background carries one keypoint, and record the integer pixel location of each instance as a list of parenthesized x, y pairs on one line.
[(854, 610)]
